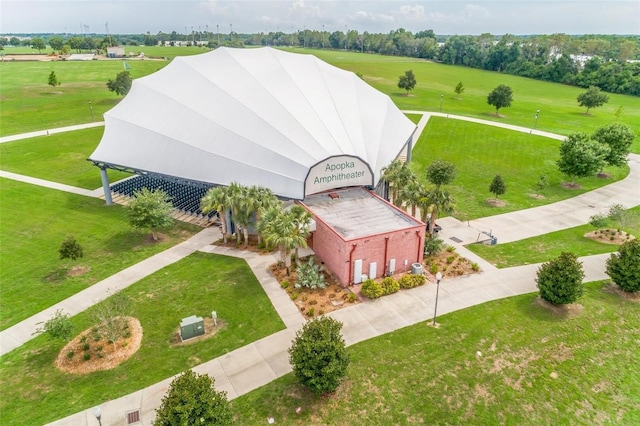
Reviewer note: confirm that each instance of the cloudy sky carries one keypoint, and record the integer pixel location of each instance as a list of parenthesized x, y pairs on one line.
[(252, 16)]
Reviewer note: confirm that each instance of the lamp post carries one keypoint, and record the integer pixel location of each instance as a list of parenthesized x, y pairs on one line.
[(98, 413), (438, 278), (91, 109), (441, 97), (536, 124)]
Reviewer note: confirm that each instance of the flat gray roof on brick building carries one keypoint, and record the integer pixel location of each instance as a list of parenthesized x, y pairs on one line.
[(356, 212)]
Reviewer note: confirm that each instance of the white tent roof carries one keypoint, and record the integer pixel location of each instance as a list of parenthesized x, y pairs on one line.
[(252, 116)]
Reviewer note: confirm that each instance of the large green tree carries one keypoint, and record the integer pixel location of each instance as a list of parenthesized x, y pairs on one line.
[(500, 97), (192, 400), (122, 83), (56, 43), (619, 138), (38, 43), (624, 267), (150, 210), (407, 81), (441, 172), (581, 156), (592, 98), (560, 280), (318, 355)]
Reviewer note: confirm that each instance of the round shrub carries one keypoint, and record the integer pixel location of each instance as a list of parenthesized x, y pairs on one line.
[(371, 289), (560, 280), (411, 280), (390, 285), (319, 356), (624, 267)]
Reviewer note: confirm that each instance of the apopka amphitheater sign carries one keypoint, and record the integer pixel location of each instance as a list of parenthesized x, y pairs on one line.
[(337, 172)]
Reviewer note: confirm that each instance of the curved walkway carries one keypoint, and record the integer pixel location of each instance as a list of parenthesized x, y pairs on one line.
[(258, 363)]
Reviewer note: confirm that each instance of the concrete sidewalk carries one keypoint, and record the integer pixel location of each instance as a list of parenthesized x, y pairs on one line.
[(254, 365), (37, 133), (52, 185)]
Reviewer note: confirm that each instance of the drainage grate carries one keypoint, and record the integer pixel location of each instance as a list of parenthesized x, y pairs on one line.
[(133, 417), (454, 239)]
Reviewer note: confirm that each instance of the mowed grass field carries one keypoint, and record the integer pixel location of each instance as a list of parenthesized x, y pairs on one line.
[(559, 110), (35, 392), (33, 223), (29, 103), (536, 368), (60, 157), (480, 152)]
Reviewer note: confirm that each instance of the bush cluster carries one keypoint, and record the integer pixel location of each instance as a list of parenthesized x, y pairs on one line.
[(371, 289), (411, 280), (390, 286)]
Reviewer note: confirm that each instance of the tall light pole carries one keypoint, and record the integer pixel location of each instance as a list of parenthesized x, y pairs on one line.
[(218, 31), (536, 124), (441, 97), (323, 36), (438, 278), (98, 413), (91, 109)]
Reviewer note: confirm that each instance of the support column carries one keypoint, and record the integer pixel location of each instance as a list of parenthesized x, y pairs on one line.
[(105, 185), (409, 149)]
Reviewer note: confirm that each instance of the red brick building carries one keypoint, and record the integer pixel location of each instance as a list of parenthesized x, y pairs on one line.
[(359, 235)]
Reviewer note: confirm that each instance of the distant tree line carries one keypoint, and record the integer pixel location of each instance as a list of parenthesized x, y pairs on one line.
[(610, 62)]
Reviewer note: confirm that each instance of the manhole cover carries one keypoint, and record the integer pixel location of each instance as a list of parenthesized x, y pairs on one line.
[(457, 240), (133, 417)]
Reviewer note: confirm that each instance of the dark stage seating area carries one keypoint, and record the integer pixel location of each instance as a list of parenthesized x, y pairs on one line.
[(184, 197)]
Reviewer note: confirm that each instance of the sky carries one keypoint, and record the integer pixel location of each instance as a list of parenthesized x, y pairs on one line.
[(447, 17)]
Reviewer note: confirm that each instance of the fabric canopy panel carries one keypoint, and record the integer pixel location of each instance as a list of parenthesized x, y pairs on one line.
[(253, 116)]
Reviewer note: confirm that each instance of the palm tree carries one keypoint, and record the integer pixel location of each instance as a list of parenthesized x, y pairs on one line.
[(286, 229), (441, 202), (262, 199), (217, 200), (410, 194), (236, 195), (391, 174), (302, 221)]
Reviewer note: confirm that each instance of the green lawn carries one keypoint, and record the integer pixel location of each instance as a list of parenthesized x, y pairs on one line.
[(559, 110), (33, 223), (480, 152), (548, 246), (195, 285), (29, 103), (422, 375), (61, 157)]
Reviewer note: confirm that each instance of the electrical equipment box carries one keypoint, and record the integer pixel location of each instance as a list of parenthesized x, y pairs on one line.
[(191, 327)]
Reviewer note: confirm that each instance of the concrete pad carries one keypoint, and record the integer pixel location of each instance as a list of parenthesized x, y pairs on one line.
[(382, 316), (240, 359), (252, 377), (413, 309), (356, 328)]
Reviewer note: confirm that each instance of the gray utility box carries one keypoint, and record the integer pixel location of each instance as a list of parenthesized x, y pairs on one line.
[(190, 327)]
